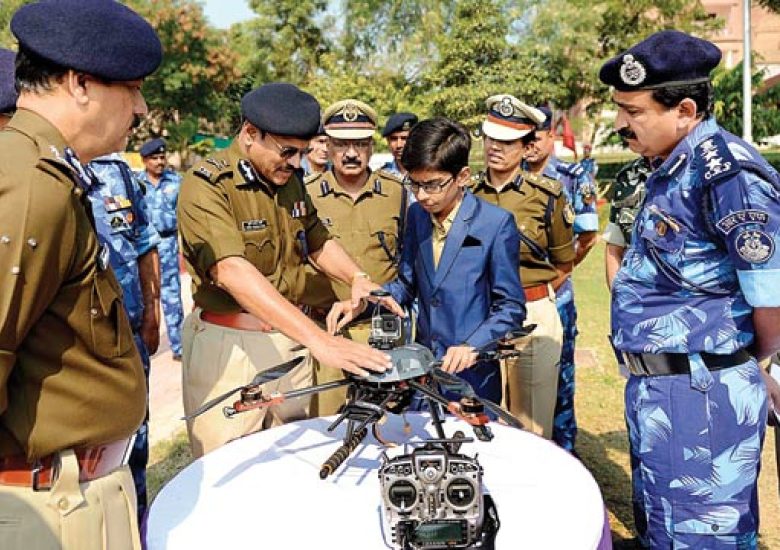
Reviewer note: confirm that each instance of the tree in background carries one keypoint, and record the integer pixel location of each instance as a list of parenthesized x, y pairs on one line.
[(728, 103)]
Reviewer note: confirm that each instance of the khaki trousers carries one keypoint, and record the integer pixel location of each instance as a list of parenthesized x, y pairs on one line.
[(94, 515), (531, 379), (329, 402), (216, 359)]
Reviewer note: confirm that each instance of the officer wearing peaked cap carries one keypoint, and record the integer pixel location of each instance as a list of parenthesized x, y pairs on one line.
[(395, 132), (72, 391), (162, 194), (248, 227), (581, 193), (544, 220), (363, 210), (8, 95), (695, 302)]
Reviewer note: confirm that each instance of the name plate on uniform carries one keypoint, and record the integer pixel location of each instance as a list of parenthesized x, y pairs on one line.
[(254, 225)]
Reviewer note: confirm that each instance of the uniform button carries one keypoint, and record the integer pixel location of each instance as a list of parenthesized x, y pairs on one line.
[(63, 503), (32, 242), (93, 312), (79, 191), (5, 239), (15, 270), (716, 527), (435, 302)]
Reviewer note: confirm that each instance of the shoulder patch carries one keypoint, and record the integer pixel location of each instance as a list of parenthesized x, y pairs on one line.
[(573, 169), (548, 185), (714, 160)]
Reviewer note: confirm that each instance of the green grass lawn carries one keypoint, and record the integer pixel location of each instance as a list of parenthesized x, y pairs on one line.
[(602, 441)]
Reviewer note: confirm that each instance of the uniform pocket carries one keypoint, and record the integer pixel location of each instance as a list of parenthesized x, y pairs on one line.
[(109, 326), (713, 519), (260, 250)]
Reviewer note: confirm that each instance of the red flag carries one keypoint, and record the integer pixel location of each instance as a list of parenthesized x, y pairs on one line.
[(568, 134)]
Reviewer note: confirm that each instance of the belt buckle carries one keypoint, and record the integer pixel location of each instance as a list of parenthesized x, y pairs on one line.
[(634, 364), (36, 476)]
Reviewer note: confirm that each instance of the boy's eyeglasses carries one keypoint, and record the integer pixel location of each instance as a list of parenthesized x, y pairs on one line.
[(288, 151), (430, 187)]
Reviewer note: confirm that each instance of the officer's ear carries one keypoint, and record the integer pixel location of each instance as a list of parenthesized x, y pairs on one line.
[(687, 112), (76, 84)]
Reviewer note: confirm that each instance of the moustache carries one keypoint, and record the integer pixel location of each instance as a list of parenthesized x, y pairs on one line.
[(352, 162), (626, 134)]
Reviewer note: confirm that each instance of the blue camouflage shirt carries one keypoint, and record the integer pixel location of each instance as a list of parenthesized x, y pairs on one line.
[(580, 191), (703, 250), (162, 199), (122, 223)]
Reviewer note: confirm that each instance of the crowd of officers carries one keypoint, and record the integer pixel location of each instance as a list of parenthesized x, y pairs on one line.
[(291, 219)]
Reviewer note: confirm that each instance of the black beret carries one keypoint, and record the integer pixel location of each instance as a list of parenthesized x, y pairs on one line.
[(152, 147), (547, 124), (666, 58), (283, 109), (8, 95), (100, 37), (399, 122)]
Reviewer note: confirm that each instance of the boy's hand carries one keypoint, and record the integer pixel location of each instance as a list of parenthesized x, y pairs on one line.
[(342, 313), (458, 358)]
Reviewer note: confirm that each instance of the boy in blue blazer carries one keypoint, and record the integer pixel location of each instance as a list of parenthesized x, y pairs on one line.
[(459, 259)]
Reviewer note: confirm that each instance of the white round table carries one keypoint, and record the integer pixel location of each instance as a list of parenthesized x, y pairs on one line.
[(264, 491)]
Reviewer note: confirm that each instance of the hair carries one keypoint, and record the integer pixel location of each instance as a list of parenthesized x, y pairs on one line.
[(437, 144), (36, 74), (701, 93)]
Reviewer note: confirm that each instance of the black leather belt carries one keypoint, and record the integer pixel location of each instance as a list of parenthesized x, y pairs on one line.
[(166, 234), (664, 364)]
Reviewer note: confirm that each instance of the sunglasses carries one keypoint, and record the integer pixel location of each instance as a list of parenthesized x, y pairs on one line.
[(430, 187), (288, 151)]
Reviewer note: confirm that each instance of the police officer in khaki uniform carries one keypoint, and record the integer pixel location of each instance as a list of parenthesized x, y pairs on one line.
[(72, 388), (248, 227), (363, 211), (544, 220)]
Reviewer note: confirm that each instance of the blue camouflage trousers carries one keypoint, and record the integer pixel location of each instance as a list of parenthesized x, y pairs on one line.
[(564, 422), (695, 443), (170, 292), (139, 456)]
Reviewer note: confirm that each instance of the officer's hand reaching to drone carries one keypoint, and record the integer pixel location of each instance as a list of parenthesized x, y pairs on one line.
[(458, 358), (342, 313)]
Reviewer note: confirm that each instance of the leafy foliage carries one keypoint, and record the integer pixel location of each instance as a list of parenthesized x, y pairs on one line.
[(728, 103)]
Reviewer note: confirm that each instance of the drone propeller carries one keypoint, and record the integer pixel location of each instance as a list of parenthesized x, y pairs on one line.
[(268, 375), (457, 385)]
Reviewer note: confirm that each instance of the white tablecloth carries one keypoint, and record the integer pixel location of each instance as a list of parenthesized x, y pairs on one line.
[(264, 491)]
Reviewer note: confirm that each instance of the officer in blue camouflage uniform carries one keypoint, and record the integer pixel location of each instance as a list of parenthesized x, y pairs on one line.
[(395, 133), (696, 301), (162, 194), (122, 223), (581, 192), (8, 95), (588, 163)]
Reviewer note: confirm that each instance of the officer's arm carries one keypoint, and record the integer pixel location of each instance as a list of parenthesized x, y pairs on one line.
[(560, 239), (149, 273), (584, 243), (613, 257), (766, 321), (255, 294)]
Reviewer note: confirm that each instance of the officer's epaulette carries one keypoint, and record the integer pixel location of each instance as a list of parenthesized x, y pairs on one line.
[(477, 179), (212, 170), (714, 160), (311, 178), (392, 176), (548, 185)]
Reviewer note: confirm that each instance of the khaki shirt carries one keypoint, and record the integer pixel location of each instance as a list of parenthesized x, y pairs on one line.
[(544, 219), (70, 374), (440, 232), (226, 209), (367, 228)]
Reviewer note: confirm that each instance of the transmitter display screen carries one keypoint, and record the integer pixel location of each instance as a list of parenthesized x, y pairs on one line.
[(439, 532)]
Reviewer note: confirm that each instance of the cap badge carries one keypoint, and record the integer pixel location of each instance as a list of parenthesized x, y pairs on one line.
[(351, 112), (506, 108), (632, 72)]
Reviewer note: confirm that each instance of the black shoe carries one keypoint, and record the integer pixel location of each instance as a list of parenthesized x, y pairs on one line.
[(177, 357)]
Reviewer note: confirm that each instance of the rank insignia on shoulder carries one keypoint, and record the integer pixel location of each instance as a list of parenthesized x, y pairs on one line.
[(219, 164), (755, 247), (568, 214), (204, 172), (377, 186), (714, 159), (254, 225), (247, 171), (326, 221)]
